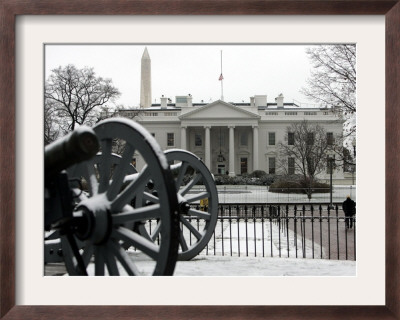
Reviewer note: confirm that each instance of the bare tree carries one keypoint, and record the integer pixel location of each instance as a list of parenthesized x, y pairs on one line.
[(333, 80), (51, 130), (75, 95), (305, 152)]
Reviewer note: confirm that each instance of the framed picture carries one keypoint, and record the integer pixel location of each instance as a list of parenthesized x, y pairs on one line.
[(182, 309)]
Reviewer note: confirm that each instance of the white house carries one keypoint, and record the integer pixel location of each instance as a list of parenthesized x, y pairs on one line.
[(231, 138)]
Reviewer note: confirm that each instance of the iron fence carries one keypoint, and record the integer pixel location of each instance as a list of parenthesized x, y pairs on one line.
[(264, 194), (299, 230)]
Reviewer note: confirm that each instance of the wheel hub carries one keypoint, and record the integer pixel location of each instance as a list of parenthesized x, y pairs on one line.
[(95, 219)]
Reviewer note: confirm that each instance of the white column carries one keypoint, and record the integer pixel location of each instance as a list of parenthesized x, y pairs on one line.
[(207, 149), (183, 138), (231, 151), (255, 147)]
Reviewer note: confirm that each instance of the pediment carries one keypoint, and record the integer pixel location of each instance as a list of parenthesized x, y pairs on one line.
[(219, 110)]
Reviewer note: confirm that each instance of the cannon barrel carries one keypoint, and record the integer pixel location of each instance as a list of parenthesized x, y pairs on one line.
[(79, 145)]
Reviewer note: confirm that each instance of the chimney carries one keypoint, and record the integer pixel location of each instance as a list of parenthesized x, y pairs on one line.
[(190, 100), (279, 101), (260, 100), (164, 102), (251, 101)]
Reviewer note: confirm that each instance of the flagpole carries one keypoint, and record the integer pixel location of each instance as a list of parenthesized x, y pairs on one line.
[(222, 81)]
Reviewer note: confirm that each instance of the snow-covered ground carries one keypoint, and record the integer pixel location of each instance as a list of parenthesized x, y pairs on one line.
[(258, 266)]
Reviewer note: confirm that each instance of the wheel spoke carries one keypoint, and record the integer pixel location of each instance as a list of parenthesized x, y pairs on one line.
[(91, 179), (87, 254), (190, 185), (111, 262), (104, 168), (182, 241), (139, 214), (197, 196), (68, 256), (188, 225), (156, 231), (99, 261), (120, 172), (137, 241), (124, 259), (200, 214), (136, 186), (149, 197), (143, 232), (181, 174)]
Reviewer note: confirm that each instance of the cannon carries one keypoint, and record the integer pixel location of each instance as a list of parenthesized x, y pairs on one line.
[(129, 221), (95, 229)]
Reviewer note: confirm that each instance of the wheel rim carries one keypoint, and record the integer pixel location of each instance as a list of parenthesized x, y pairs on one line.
[(196, 224), (110, 190)]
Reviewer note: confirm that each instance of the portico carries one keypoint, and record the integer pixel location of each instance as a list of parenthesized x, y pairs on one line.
[(224, 136)]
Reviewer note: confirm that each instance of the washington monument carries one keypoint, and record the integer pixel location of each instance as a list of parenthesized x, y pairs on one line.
[(145, 81)]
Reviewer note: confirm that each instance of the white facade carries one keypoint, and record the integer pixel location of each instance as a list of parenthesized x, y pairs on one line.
[(231, 138)]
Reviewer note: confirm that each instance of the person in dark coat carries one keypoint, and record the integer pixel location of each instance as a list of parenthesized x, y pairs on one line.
[(349, 208)]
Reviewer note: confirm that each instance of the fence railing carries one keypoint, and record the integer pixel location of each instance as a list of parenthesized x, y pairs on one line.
[(263, 194), (292, 230)]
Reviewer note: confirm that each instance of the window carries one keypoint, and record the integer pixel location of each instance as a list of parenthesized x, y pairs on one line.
[(170, 139), (243, 165), (329, 138), (310, 138), (243, 139), (291, 138), (271, 138), (221, 169), (221, 141), (291, 166), (271, 164), (198, 142)]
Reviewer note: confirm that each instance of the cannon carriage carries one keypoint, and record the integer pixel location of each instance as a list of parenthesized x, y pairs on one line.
[(104, 217)]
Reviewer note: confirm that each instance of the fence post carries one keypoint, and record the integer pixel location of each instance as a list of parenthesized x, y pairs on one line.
[(337, 231), (303, 231), (295, 227), (312, 229), (279, 233), (247, 236), (222, 231), (287, 229), (320, 227), (329, 232), (230, 228)]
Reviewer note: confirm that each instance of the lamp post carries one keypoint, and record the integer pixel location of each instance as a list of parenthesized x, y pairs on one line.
[(331, 159)]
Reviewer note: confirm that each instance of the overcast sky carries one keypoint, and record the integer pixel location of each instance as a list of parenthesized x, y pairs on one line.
[(248, 70)]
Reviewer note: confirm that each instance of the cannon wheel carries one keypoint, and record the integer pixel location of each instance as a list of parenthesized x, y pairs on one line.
[(106, 208), (194, 186)]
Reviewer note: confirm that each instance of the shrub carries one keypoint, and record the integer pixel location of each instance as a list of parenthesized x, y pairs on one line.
[(258, 174), (246, 179), (296, 184)]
